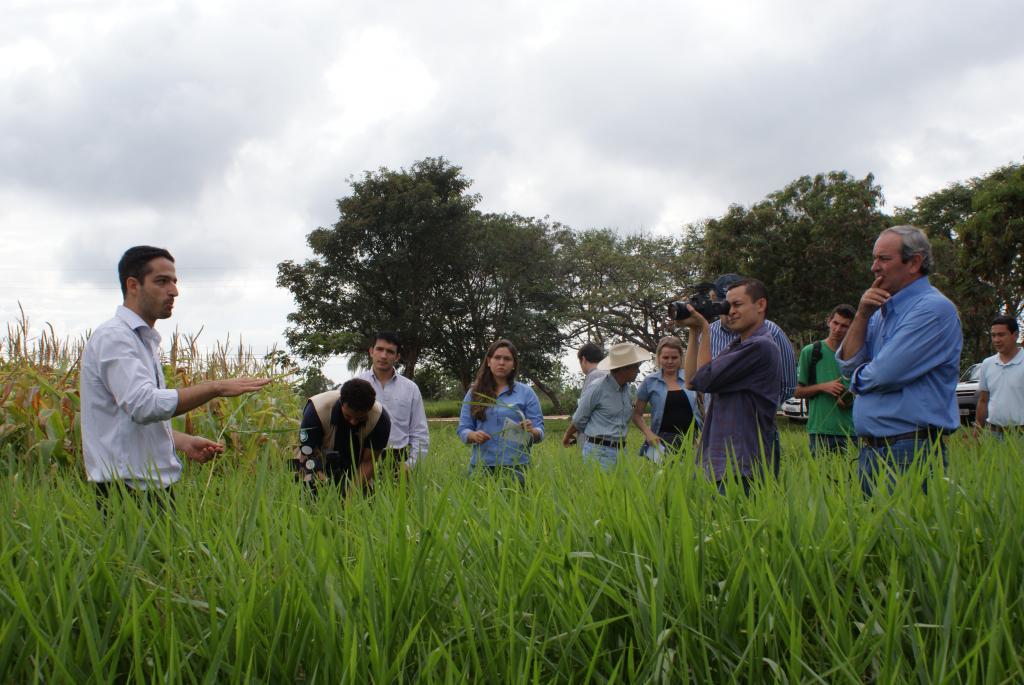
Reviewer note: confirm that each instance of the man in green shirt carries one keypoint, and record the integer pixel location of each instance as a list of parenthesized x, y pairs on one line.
[(830, 405)]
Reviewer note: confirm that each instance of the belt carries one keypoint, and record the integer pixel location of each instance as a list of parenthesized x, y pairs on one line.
[(919, 435), (617, 444)]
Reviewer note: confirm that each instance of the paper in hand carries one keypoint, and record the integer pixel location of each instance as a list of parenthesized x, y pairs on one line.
[(514, 433)]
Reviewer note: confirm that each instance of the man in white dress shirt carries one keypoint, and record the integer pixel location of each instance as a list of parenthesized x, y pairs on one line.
[(126, 406), (401, 397)]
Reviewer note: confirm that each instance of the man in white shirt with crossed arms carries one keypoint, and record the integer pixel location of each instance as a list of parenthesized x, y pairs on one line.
[(126, 406)]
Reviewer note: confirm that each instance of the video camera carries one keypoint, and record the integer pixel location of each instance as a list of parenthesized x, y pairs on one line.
[(701, 301)]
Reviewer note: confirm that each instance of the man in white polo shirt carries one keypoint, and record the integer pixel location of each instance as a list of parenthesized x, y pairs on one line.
[(1001, 384), (401, 397)]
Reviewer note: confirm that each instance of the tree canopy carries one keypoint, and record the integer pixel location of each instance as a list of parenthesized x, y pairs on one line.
[(388, 263), (810, 243), (412, 253)]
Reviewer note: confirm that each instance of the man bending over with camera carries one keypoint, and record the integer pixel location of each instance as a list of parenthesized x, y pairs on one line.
[(341, 434), (744, 384)]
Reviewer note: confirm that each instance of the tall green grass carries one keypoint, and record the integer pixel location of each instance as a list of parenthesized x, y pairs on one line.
[(644, 574)]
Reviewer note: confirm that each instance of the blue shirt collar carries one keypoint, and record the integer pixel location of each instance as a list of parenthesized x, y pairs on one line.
[(760, 330), (912, 291), (660, 376), (1017, 358), (610, 379)]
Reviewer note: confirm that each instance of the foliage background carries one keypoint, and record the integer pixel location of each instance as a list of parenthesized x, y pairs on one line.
[(411, 253)]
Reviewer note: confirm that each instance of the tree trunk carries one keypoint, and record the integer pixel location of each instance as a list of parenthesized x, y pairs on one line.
[(410, 357), (556, 404)]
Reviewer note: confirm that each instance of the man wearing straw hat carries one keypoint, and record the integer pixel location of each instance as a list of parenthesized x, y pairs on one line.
[(126, 406), (606, 406)]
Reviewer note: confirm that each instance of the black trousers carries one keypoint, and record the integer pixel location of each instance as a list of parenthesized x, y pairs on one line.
[(161, 497)]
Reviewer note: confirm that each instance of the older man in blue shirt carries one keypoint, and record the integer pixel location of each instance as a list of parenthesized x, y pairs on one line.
[(902, 354)]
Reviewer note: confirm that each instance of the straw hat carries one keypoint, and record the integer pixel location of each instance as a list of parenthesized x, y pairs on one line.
[(624, 354)]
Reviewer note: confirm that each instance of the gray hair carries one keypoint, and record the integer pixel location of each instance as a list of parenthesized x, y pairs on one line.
[(913, 241)]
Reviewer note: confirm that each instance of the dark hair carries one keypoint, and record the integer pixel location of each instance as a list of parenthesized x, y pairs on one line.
[(843, 310), (1007, 321), (591, 352), (724, 282), (358, 395), (753, 287), (135, 264), (485, 387), (386, 336)]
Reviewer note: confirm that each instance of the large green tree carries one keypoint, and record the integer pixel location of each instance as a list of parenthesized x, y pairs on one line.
[(411, 253), (809, 242), (993, 236), (976, 228), (618, 287), (506, 286), (388, 263)]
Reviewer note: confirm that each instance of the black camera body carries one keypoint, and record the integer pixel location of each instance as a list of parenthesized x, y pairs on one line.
[(701, 301)]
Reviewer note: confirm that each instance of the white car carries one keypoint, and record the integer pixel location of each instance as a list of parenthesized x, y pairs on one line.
[(795, 408), (967, 393)]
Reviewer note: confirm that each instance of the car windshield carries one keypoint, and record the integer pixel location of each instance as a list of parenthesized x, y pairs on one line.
[(971, 374)]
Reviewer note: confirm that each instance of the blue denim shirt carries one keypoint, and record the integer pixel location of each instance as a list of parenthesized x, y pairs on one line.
[(654, 390), (905, 373), (498, 451)]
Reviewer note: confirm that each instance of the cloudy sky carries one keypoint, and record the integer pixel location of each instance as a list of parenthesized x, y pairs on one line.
[(226, 131)]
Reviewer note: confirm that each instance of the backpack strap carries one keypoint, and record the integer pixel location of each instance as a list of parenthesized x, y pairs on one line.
[(812, 371)]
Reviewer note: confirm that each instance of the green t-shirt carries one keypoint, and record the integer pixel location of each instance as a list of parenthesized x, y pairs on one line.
[(824, 415)]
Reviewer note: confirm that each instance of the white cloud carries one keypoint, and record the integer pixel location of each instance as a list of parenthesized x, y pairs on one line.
[(226, 131)]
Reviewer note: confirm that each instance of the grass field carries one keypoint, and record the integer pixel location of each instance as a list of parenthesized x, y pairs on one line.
[(644, 574)]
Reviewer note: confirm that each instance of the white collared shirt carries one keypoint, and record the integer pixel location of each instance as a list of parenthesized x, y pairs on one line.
[(126, 406), (402, 398)]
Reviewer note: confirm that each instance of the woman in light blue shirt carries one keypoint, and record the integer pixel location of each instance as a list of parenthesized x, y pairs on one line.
[(674, 409), (500, 417)]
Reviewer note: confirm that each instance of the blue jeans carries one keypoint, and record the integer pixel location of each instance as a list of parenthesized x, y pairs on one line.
[(821, 443), (893, 460), (603, 455)]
